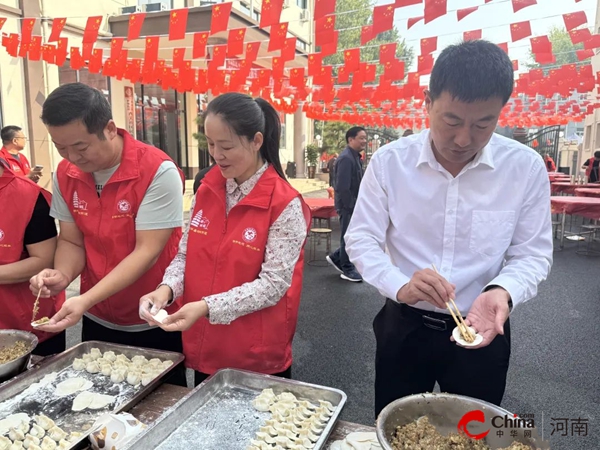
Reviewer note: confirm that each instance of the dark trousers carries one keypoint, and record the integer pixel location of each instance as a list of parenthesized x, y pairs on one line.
[(340, 257), (411, 357), (199, 377), (155, 338), (56, 344)]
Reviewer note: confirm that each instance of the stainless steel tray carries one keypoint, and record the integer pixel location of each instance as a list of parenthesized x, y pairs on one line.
[(218, 414), (31, 392)]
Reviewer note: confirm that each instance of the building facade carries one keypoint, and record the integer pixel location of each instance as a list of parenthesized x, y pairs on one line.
[(164, 118), (591, 135)]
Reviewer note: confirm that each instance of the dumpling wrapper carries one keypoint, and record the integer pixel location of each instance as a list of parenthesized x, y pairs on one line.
[(82, 401), (72, 385), (12, 421), (460, 341), (101, 401), (160, 316)]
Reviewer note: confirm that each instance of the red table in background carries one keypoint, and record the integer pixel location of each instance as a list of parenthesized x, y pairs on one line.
[(321, 208), (567, 188), (588, 192), (588, 207)]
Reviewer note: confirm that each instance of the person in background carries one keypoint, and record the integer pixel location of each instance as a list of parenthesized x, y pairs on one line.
[(13, 143), (348, 175), (27, 245), (120, 207), (471, 202), (407, 132), (238, 274), (591, 168), (201, 174), (550, 164), (331, 169)]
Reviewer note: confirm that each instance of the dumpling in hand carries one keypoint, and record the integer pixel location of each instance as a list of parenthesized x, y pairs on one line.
[(31, 440), (56, 433), (48, 444), (44, 421)]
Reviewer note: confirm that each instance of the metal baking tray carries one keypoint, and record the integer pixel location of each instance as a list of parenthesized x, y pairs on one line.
[(218, 413), (18, 394)]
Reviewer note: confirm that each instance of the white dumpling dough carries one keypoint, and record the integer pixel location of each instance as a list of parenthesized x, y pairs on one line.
[(161, 315), (101, 401), (82, 401), (37, 431), (56, 433), (95, 353), (5, 443), (31, 440), (70, 386), (48, 444), (12, 421), (16, 434), (92, 367)]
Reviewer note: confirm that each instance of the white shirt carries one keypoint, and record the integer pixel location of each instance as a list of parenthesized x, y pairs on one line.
[(491, 225)]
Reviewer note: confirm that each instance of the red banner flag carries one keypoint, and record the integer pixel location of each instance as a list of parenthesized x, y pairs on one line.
[(220, 17), (235, 42), (324, 8), (278, 36), (90, 34), (352, 59), (428, 45), (472, 35), (136, 21), (35, 48), (57, 27), (151, 52), (541, 44), (518, 5), (2, 22), (178, 24), (573, 20), (199, 46), (26, 30), (116, 45), (288, 52), (580, 36), (462, 13), (315, 60), (178, 57), (270, 12), (76, 60), (412, 21), (324, 30), (366, 34), (520, 30), (584, 54), (252, 49), (435, 9), (402, 3), (387, 52), (504, 46), (332, 46), (383, 18), (424, 64)]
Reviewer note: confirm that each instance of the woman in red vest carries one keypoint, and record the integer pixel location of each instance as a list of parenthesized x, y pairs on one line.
[(27, 245), (591, 168), (238, 274)]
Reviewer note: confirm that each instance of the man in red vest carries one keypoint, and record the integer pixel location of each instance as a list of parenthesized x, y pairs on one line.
[(120, 206), (550, 164), (13, 143), (27, 245), (591, 168)]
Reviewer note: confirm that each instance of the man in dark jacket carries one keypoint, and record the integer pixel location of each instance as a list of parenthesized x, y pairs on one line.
[(331, 169), (348, 174)]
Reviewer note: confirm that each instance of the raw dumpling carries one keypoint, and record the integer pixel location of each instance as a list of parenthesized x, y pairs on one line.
[(101, 401), (261, 404), (154, 362), (118, 375), (134, 377), (48, 444), (34, 447), (56, 433), (92, 367), (37, 431), (12, 421), (67, 387), (31, 440), (123, 358), (95, 353), (147, 379), (139, 360), (166, 364), (106, 369), (110, 356), (17, 445), (64, 444), (75, 436), (16, 434), (82, 401), (5, 443), (23, 426), (87, 357), (286, 397)]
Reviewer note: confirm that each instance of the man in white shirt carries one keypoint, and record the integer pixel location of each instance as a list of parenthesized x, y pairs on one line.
[(472, 203)]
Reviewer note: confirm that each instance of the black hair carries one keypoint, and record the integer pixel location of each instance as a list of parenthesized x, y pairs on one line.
[(8, 133), (76, 101), (472, 71), (597, 154), (353, 132), (407, 132), (246, 117)]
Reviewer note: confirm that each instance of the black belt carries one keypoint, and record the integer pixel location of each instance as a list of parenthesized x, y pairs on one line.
[(431, 319)]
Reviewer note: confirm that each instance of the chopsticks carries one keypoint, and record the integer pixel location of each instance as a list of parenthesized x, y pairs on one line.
[(458, 319)]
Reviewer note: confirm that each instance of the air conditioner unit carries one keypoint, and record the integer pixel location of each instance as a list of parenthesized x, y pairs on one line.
[(154, 7), (304, 15), (131, 9)]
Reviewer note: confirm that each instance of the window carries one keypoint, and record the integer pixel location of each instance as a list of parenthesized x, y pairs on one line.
[(302, 4), (300, 45), (95, 80), (256, 15), (588, 136), (245, 9), (597, 142)]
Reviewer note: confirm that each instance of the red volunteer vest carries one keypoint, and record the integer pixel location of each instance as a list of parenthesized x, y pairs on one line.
[(589, 168), (20, 167), (17, 198), (226, 252), (108, 225)]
